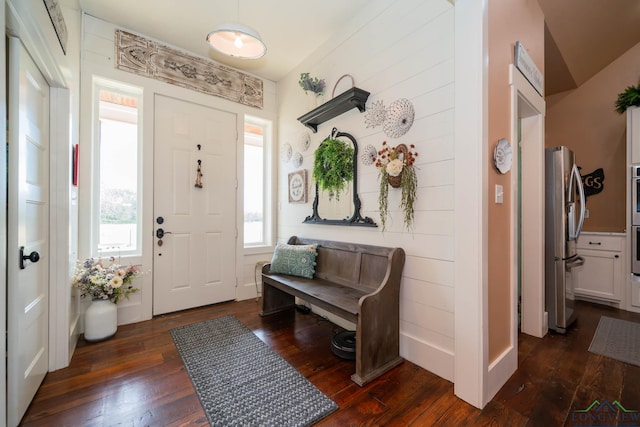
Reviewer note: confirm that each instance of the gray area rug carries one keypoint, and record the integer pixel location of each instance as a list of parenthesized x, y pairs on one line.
[(242, 382), (617, 339)]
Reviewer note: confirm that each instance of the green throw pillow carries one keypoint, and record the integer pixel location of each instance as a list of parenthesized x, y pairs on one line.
[(296, 260)]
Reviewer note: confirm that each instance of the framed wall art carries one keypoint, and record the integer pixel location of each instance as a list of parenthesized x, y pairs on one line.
[(298, 186)]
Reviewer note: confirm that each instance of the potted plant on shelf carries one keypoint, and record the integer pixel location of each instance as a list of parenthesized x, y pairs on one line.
[(333, 166), (314, 85), (395, 165), (629, 98)]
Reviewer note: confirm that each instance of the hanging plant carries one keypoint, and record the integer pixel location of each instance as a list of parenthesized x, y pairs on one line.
[(333, 166), (396, 170), (629, 98)]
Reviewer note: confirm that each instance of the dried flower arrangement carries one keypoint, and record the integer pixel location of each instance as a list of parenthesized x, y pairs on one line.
[(396, 170)]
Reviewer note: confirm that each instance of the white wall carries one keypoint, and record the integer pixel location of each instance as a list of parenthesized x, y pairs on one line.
[(393, 49), (97, 60)]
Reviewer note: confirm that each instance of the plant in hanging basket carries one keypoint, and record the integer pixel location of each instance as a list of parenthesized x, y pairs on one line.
[(395, 165), (100, 279), (629, 98), (333, 166)]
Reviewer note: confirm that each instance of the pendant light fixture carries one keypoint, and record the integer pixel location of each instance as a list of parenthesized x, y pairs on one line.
[(237, 40)]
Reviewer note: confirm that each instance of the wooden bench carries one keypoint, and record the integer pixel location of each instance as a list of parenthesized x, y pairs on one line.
[(359, 283)]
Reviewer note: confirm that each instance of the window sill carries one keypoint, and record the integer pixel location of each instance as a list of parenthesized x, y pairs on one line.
[(258, 250)]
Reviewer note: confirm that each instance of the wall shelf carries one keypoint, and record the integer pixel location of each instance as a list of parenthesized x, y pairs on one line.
[(352, 98)]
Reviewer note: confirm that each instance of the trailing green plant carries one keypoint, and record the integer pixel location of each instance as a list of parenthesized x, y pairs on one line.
[(629, 98), (333, 166), (409, 185), (383, 197)]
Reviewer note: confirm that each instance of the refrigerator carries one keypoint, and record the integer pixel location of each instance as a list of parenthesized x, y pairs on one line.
[(564, 217)]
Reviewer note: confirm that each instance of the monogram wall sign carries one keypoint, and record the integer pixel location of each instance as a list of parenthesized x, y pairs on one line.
[(593, 182), (148, 58)]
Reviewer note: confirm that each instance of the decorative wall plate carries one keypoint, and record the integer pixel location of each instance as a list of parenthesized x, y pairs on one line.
[(305, 141), (368, 155), (502, 156), (287, 151), (297, 159), (375, 114), (399, 118)]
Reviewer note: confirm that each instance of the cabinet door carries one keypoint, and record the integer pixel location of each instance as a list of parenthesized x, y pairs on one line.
[(633, 133), (600, 276)]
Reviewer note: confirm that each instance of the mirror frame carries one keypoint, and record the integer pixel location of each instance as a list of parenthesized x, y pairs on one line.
[(356, 219)]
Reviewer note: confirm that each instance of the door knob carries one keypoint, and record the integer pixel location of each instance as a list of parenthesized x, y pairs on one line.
[(33, 257)]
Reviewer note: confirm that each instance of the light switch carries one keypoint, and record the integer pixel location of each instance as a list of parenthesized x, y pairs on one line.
[(499, 194)]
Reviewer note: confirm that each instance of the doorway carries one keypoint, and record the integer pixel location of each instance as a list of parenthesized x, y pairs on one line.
[(528, 234), (28, 230), (195, 186)]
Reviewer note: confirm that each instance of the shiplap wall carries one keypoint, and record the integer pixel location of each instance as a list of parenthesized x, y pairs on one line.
[(393, 49)]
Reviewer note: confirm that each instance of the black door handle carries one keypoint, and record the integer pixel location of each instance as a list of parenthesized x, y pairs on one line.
[(33, 257), (160, 233)]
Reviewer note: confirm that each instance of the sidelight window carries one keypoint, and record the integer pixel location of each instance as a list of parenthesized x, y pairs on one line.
[(257, 183), (117, 175)]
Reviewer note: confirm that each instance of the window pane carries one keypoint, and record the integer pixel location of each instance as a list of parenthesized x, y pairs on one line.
[(253, 186), (118, 224)]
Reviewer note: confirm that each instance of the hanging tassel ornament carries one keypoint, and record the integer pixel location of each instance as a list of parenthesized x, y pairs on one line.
[(199, 175)]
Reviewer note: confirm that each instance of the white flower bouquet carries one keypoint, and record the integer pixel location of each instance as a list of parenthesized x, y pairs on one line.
[(105, 280)]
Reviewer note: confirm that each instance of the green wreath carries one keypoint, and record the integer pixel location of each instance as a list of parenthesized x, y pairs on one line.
[(333, 166)]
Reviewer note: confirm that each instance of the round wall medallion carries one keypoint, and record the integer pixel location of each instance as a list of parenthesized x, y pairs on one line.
[(399, 118), (297, 159), (502, 156), (287, 151), (368, 155), (304, 141), (375, 114)]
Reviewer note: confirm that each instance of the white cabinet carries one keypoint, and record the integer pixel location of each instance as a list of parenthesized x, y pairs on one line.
[(633, 133), (601, 278)]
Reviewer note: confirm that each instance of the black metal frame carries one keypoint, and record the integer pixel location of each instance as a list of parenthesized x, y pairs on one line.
[(356, 219)]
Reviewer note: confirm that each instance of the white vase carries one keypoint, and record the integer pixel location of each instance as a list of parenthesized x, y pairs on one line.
[(100, 320)]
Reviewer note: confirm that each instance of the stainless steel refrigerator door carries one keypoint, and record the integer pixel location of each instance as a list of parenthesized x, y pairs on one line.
[(560, 307), (558, 175)]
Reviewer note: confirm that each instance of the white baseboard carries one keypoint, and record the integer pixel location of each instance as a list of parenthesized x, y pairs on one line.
[(247, 291), (500, 370), (427, 356)]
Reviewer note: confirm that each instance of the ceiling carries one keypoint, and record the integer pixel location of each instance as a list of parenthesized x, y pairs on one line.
[(581, 36), (291, 29)]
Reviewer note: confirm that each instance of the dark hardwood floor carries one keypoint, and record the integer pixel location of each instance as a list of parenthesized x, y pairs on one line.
[(137, 378)]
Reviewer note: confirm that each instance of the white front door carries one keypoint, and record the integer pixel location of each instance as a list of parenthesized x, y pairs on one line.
[(28, 219), (194, 261)]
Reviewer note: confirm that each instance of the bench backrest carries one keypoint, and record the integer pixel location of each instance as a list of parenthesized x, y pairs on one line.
[(350, 264)]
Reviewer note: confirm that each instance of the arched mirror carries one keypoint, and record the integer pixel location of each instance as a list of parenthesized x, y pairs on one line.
[(340, 207)]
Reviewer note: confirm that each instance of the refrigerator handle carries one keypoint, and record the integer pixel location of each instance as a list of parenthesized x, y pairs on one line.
[(583, 207)]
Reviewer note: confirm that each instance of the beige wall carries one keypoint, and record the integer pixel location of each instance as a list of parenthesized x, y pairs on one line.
[(509, 21), (585, 121)]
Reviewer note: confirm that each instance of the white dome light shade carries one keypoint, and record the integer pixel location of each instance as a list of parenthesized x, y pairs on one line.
[(237, 40)]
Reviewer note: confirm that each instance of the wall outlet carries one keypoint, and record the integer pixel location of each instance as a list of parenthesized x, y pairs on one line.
[(586, 213)]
